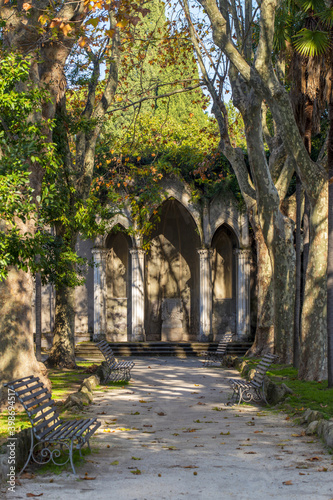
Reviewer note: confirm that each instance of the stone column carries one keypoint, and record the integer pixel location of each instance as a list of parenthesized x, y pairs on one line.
[(99, 255), (243, 292), (205, 294), (138, 297)]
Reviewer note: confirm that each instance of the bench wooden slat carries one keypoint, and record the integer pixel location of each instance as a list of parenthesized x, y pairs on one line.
[(39, 400)]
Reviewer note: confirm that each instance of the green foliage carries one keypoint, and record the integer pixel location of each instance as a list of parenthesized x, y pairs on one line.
[(311, 43), (22, 144)]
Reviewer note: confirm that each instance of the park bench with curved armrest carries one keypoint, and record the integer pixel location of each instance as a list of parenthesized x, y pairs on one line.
[(119, 370), (255, 389), (218, 355), (51, 437)]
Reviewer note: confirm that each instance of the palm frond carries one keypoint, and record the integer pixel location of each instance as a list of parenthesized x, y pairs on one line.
[(326, 17), (311, 43), (314, 5)]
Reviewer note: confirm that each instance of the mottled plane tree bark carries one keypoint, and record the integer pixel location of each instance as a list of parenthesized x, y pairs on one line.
[(260, 76), (262, 195)]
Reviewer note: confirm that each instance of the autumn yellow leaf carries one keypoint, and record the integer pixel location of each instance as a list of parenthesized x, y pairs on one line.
[(26, 6), (65, 28)]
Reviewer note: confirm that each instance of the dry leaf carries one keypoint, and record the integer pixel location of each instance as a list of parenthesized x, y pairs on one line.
[(27, 475), (161, 413), (87, 478), (30, 495), (314, 459), (287, 483)]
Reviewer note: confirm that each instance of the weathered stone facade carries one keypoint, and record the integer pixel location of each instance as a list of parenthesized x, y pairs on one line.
[(192, 284)]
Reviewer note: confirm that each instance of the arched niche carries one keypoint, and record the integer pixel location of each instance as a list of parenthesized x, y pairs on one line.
[(224, 291), (118, 275), (172, 276)]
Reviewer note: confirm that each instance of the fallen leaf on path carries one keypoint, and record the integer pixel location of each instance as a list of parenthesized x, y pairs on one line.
[(194, 392), (161, 413), (250, 452), (322, 469), (225, 433), (302, 473), (136, 472), (147, 425), (202, 404), (142, 401), (30, 495), (115, 462), (287, 483), (314, 459), (299, 435), (27, 475), (258, 432)]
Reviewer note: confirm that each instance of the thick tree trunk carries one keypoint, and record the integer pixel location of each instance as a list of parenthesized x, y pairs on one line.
[(314, 320), (277, 230), (330, 251), (62, 354), (264, 337), (17, 358), (297, 320)]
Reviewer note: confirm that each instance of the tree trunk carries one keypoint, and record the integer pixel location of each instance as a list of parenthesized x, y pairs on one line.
[(17, 358), (314, 320), (264, 337), (330, 250), (38, 316), (62, 354), (297, 320)]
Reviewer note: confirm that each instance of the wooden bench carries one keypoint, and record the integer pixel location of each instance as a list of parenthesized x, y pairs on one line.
[(119, 370), (218, 355), (255, 389), (47, 430)]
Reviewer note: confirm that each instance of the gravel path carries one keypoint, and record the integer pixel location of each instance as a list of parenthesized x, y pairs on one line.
[(169, 435)]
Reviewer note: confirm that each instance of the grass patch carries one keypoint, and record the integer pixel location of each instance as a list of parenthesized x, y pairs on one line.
[(51, 468), (21, 421), (314, 395)]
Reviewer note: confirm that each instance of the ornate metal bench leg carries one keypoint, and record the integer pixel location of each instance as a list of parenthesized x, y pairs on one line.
[(30, 452), (240, 392), (71, 457)]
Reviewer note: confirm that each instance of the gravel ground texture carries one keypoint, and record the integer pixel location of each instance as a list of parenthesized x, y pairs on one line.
[(170, 435)]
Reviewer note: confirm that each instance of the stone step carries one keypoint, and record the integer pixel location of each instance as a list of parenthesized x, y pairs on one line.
[(88, 350)]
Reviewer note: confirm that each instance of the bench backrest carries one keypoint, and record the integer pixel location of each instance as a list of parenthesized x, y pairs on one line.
[(262, 368), (107, 352), (223, 344), (37, 402)]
